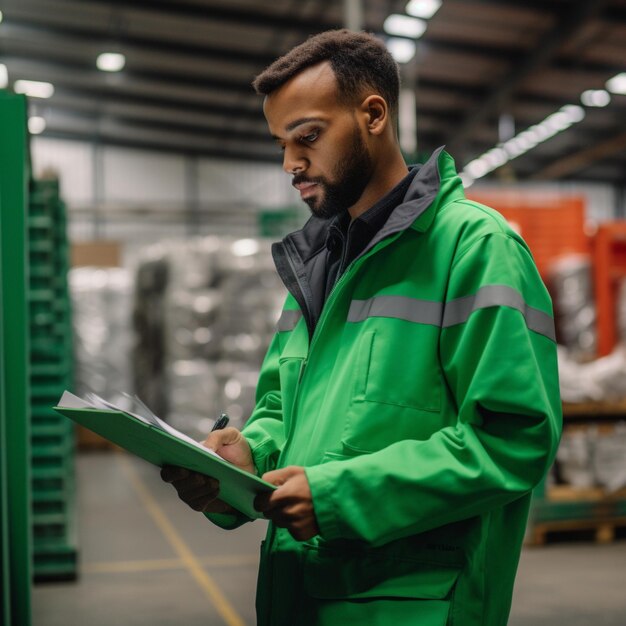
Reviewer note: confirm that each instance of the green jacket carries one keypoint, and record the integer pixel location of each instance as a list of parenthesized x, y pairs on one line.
[(425, 408)]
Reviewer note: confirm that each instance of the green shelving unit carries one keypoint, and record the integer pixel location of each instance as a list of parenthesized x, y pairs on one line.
[(52, 440), (15, 477)]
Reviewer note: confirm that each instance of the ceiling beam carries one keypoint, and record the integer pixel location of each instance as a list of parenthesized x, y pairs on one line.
[(36, 26), (80, 79), (174, 124), (223, 12), (160, 146), (173, 79), (573, 19), (168, 78), (573, 163), (616, 14), (548, 7)]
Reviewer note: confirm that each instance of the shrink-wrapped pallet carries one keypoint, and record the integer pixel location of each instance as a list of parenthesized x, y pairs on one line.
[(217, 313), (148, 357), (572, 290), (103, 336), (601, 380)]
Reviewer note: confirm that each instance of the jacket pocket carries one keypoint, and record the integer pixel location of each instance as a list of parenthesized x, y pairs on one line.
[(396, 393), (368, 588), (399, 368), (367, 574)]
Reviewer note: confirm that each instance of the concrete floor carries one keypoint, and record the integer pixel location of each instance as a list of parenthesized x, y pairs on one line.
[(148, 560)]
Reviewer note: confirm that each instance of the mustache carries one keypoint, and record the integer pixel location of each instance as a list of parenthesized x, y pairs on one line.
[(301, 178)]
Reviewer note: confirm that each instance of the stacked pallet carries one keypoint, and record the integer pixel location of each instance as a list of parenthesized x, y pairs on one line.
[(54, 541), (590, 497)]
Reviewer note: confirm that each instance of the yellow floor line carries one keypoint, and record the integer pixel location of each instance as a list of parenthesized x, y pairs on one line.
[(223, 606), (144, 565), (119, 567)]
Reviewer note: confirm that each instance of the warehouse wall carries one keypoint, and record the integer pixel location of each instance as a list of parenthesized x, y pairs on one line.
[(142, 195)]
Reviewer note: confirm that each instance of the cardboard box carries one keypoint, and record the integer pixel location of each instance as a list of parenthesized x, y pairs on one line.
[(99, 253)]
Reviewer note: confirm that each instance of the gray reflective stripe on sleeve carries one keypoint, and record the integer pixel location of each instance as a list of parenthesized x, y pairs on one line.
[(288, 320), (458, 311), (401, 307), (455, 312)]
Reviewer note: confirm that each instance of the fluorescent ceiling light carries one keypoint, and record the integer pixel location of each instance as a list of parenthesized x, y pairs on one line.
[(595, 97), (404, 26), (542, 132), (513, 148), (423, 8), (402, 50), (1, 16), (477, 168), (111, 61), (574, 112), (525, 141), (557, 121), (34, 88), (4, 76), (496, 157), (549, 129), (522, 142), (617, 84), (534, 133), (36, 125), (466, 180)]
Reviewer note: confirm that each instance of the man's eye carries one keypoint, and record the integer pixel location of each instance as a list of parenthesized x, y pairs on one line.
[(311, 137)]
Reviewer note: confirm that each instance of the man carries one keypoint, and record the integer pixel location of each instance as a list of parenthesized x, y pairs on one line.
[(409, 401)]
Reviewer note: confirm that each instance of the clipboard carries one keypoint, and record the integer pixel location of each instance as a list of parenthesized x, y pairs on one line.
[(237, 487)]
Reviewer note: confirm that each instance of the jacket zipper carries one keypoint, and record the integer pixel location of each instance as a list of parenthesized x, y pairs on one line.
[(343, 278), (370, 250), (328, 305), (303, 365)]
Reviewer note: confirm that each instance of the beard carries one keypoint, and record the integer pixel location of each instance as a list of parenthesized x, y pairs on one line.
[(351, 176)]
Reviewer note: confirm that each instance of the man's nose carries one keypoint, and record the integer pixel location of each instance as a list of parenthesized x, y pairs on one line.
[(293, 161)]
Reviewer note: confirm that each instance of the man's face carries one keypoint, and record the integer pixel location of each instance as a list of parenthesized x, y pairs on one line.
[(323, 144)]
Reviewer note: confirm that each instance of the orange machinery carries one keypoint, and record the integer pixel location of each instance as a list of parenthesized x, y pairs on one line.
[(609, 268), (554, 225)]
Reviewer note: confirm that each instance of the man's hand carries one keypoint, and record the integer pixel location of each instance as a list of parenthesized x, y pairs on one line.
[(231, 445), (201, 492), (197, 490), (291, 505)]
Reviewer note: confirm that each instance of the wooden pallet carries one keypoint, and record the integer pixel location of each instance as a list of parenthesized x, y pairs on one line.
[(594, 408), (566, 493), (603, 530)]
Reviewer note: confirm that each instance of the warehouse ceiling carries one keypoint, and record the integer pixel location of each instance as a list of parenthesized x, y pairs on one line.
[(189, 64)]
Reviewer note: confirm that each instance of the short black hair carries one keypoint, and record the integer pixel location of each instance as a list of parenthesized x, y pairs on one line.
[(359, 61)]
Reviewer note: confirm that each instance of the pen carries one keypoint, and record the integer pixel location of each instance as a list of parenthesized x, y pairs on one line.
[(221, 422)]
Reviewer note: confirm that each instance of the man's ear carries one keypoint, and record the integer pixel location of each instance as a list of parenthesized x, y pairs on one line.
[(376, 112)]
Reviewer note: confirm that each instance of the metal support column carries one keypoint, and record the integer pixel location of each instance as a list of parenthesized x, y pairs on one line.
[(353, 14)]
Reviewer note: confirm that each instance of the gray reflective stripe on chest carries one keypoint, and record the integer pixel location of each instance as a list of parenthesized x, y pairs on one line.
[(401, 307), (288, 320), (455, 311)]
